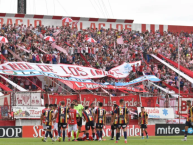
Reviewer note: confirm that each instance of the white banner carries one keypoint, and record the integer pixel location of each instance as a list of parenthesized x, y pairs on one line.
[(23, 69), (26, 99), (176, 121), (163, 113), (27, 112), (183, 108)]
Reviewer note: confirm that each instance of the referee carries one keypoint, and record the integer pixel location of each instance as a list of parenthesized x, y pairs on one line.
[(79, 108)]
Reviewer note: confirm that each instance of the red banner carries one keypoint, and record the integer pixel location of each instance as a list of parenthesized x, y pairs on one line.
[(75, 85), (56, 99), (148, 101), (132, 130), (87, 99), (130, 101)]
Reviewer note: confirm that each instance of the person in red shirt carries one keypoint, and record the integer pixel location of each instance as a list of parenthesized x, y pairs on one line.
[(55, 121), (72, 122), (43, 121)]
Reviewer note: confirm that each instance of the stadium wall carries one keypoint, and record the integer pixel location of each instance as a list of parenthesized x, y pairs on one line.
[(84, 23)]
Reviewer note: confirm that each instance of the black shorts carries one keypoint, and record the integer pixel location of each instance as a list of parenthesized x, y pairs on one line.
[(89, 125), (143, 126), (114, 126), (80, 122), (123, 126), (99, 125), (49, 127), (63, 125), (188, 123)]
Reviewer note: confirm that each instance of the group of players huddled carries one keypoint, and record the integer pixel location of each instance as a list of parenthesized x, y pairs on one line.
[(95, 117)]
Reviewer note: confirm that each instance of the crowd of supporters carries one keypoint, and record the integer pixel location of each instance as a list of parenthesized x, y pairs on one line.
[(105, 53)]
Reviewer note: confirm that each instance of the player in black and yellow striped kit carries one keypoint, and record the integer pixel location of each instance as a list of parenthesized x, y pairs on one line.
[(49, 115), (189, 121), (143, 121)]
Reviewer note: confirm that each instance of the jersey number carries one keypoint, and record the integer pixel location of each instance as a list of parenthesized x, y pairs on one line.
[(62, 110), (72, 115), (121, 111), (101, 112)]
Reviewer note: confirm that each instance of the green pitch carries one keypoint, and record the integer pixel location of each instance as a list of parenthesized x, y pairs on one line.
[(167, 140)]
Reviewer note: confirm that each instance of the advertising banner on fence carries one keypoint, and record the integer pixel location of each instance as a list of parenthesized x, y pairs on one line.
[(132, 130), (11, 131), (148, 101), (163, 113), (26, 99), (64, 70), (183, 107), (87, 99), (171, 129), (27, 112)]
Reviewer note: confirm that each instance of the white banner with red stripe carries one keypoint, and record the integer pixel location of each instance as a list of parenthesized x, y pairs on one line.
[(64, 70)]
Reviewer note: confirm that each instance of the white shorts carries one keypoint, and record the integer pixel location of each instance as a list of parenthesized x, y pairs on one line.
[(44, 126), (55, 126), (72, 127)]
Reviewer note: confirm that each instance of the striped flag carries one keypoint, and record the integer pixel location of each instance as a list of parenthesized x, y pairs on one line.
[(120, 40), (74, 24)]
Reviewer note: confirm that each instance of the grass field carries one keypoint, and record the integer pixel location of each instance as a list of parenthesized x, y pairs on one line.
[(166, 140)]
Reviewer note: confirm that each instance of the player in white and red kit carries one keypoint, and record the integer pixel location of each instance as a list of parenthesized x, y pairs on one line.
[(72, 124), (55, 121), (43, 121)]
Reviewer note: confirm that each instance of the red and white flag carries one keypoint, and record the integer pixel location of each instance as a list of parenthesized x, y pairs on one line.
[(120, 40), (57, 32)]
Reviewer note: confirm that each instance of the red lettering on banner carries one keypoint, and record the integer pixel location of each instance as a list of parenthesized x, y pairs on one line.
[(119, 25), (65, 70), (4, 68), (14, 66), (36, 21), (111, 73), (50, 68), (28, 23), (92, 72), (9, 21), (128, 27), (30, 67), (103, 24), (22, 66), (117, 72), (99, 72), (110, 26), (77, 74), (42, 68), (183, 106), (92, 25), (1, 21), (80, 25), (81, 70), (17, 20), (74, 26)]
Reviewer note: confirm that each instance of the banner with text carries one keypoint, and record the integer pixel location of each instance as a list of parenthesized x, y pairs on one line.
[(163, 113), (27, 112), (26, 99), (64, 70)]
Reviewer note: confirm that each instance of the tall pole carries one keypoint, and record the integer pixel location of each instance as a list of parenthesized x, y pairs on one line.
[(179, 74)]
